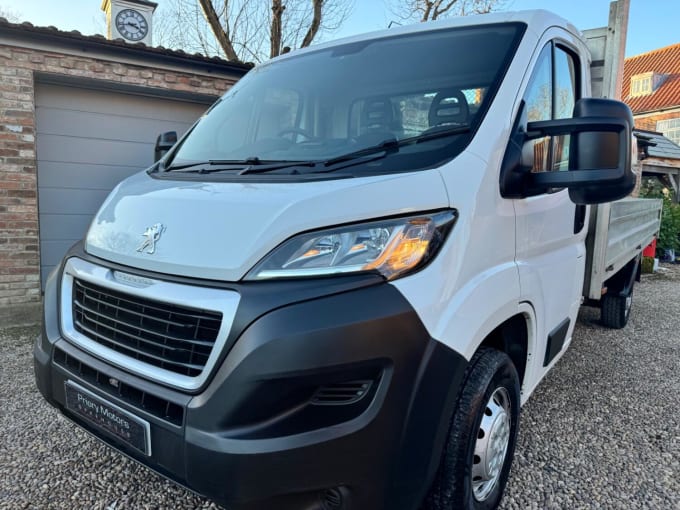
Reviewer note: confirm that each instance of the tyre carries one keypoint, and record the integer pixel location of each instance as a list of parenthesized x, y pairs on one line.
[(481, 441), (616, 310)]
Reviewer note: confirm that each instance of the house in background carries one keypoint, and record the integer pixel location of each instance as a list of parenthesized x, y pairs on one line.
[(651, 87), (660, 159)]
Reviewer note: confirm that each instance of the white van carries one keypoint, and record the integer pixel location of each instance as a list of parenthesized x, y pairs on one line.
[(337, 290)]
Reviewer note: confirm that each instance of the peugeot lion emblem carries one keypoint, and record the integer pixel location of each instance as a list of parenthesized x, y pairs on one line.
[(151, 237)]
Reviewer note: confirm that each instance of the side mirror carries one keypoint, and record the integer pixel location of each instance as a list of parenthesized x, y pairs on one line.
[(164, 143), (600, 153)]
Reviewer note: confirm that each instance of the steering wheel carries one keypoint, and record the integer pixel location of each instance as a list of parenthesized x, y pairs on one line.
[(297, 131)]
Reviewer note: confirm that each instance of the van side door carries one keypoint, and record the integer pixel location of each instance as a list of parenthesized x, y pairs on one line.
[(550, 229)]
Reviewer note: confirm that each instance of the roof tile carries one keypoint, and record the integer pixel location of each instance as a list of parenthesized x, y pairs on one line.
[(665, 61), (98, 39), (661, 147)]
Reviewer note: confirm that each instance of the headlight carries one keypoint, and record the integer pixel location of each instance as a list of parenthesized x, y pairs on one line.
[(391, 247)]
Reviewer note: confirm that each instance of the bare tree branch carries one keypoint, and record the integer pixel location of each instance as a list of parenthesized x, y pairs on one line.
[(241, 24), (220, 33), (442, 10), (427, 8), (275, 37), (314, 26), (430, 10), (9, 15)]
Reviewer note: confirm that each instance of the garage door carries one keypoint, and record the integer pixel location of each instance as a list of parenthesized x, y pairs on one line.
[(87, 141)]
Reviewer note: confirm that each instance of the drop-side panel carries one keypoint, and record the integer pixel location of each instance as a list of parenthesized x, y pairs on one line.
[(619, 231)]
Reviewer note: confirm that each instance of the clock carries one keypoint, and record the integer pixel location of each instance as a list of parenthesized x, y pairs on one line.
[(132, 25)]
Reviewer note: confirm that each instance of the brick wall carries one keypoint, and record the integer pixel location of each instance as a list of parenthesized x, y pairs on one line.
[(649, 122), (19, 237)]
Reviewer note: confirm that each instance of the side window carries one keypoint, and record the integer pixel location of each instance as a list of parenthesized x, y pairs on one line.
[(565, 84), (566, 93), (539, 106), (551, 94)]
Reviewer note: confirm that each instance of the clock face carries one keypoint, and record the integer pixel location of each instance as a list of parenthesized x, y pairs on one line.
[(131, 25)]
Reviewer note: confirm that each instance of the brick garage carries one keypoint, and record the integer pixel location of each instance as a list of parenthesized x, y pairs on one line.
[(34, 59)]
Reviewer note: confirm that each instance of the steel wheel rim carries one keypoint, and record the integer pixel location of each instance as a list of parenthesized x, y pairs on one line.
[(491, 445), (629, 304)]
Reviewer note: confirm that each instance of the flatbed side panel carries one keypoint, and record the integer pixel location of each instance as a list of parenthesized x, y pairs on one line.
[(622, 230), (596, 40)]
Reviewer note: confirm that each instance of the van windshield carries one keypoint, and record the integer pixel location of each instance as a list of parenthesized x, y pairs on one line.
[(322, 105)]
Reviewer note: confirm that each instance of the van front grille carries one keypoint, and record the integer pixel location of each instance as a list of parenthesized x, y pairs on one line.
[(174, 338)]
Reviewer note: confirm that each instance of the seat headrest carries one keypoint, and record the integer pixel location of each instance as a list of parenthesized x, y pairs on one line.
[(377, 114), (449, 107)]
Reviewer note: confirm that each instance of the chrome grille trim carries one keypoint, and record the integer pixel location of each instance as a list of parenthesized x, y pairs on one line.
[(205, 343), (219, 301), (92, 333)]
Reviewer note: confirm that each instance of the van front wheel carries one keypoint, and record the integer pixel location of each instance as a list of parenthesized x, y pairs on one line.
[(478, 452)]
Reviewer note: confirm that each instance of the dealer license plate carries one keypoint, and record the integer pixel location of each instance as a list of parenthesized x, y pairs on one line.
[(108, 417)]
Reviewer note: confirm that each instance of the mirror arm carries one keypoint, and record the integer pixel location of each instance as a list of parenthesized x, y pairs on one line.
[(570, 179), (558, 127)]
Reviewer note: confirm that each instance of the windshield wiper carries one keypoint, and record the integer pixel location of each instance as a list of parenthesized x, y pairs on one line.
[(389, 145), (277, 165), (255, 165), (212, 162), (386, 147), (437, 132), (329, 165), (233, 164)]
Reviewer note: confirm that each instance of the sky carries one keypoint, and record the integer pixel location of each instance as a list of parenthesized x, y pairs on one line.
[(652, 23)]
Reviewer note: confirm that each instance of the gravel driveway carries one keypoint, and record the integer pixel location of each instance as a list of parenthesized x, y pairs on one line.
[(602, 431)]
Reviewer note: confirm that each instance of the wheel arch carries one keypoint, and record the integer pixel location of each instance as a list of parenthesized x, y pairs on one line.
[(622, 282), (515, 336), (512, 338)]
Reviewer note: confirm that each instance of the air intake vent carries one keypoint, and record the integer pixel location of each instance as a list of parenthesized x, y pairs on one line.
[(332, 499), (159, 407), (341, 394)]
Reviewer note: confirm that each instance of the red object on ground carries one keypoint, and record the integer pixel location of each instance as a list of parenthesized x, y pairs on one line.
[(650, 251)]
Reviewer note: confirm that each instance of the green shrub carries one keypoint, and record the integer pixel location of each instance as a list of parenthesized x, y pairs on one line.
[(647, 265), (669, 231)]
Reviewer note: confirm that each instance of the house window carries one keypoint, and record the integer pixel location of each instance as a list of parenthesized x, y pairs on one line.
[(641, 85), (645, 84), (670, 129)]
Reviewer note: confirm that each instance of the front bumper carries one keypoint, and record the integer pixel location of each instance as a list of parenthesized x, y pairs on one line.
[(259, 435)]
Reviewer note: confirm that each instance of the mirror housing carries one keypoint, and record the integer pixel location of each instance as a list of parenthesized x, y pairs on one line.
[(164, 143), (600, 155)]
